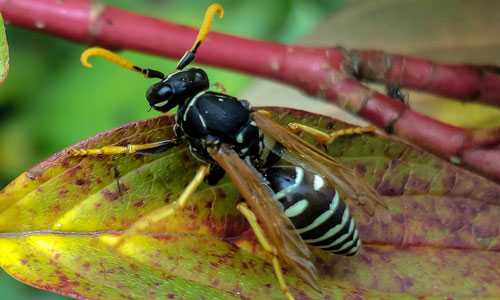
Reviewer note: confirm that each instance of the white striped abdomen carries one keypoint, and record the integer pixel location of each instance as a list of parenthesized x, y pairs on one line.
[(319, 215)]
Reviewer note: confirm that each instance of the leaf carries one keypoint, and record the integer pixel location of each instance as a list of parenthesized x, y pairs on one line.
[(4, 52), (438, 237)]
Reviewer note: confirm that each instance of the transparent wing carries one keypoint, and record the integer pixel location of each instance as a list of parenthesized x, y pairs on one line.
[(277, 227), (303, 154)]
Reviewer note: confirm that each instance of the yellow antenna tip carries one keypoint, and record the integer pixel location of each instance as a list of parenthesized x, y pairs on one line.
[(216, 8), (88, 53), (107, 55)]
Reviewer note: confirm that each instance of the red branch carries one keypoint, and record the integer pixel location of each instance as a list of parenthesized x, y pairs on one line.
[(464, 82), (326, 73)]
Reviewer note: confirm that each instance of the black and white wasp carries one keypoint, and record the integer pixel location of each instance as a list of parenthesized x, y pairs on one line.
[(287, 204)]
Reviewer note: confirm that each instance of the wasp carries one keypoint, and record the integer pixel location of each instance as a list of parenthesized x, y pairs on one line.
[(287, 205)]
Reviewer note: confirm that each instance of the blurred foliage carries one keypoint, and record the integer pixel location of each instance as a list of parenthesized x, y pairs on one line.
[(49, 101)]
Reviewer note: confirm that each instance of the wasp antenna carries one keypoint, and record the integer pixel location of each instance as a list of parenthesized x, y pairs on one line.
[(189, 56), (117, 60)]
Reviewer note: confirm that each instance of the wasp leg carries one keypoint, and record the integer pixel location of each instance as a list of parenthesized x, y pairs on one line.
[(259, 233), (129, 149), (265, 113), (328, 138), (166, 211), (220, 87)]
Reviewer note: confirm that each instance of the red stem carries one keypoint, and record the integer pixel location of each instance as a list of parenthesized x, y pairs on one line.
[(465, 82), (326, 73)]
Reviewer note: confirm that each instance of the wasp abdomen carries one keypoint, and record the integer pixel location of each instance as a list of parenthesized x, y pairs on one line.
[(316, 210)]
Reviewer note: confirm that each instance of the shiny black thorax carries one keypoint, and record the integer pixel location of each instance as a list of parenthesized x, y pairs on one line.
[(205, 118), (210, 118)]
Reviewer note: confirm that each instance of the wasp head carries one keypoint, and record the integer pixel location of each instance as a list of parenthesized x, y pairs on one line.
[(176, 89)]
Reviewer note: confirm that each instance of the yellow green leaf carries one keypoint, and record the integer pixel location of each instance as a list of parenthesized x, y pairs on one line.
[(59, 221)]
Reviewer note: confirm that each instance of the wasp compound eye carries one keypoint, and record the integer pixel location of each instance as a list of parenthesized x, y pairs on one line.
[(159, 96)]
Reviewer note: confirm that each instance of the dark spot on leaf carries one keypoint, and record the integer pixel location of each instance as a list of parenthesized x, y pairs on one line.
[(221, 194), (491, 195), (386, 188), (168, 197), (366, 258), (81, 182), (400, 219), (139, 204), (329, 125), (300, 295), (417, 185), (86, 266), (405, 283), (56, 208), (63, 192), (186, 157), (110, 195), (360, 169), (354, 296), (486, 232), (74, 171)]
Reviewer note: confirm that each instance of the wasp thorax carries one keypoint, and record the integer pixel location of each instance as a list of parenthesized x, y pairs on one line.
[(176, 89)]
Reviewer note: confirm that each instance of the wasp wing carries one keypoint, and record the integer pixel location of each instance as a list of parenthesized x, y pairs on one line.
[(277, 227), (308, 156)]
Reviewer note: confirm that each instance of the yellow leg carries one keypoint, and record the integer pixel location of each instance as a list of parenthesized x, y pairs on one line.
[(265, 113), (129, 149), (328, 138), (259, 233), (165, 211), (221, 87)]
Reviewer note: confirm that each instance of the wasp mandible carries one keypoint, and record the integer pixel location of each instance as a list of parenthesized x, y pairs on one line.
[(292, 191)]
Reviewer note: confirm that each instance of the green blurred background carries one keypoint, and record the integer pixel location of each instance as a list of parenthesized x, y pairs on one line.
[(49, 101)]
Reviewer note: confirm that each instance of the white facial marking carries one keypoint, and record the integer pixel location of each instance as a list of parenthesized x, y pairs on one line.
[(160, 104)]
